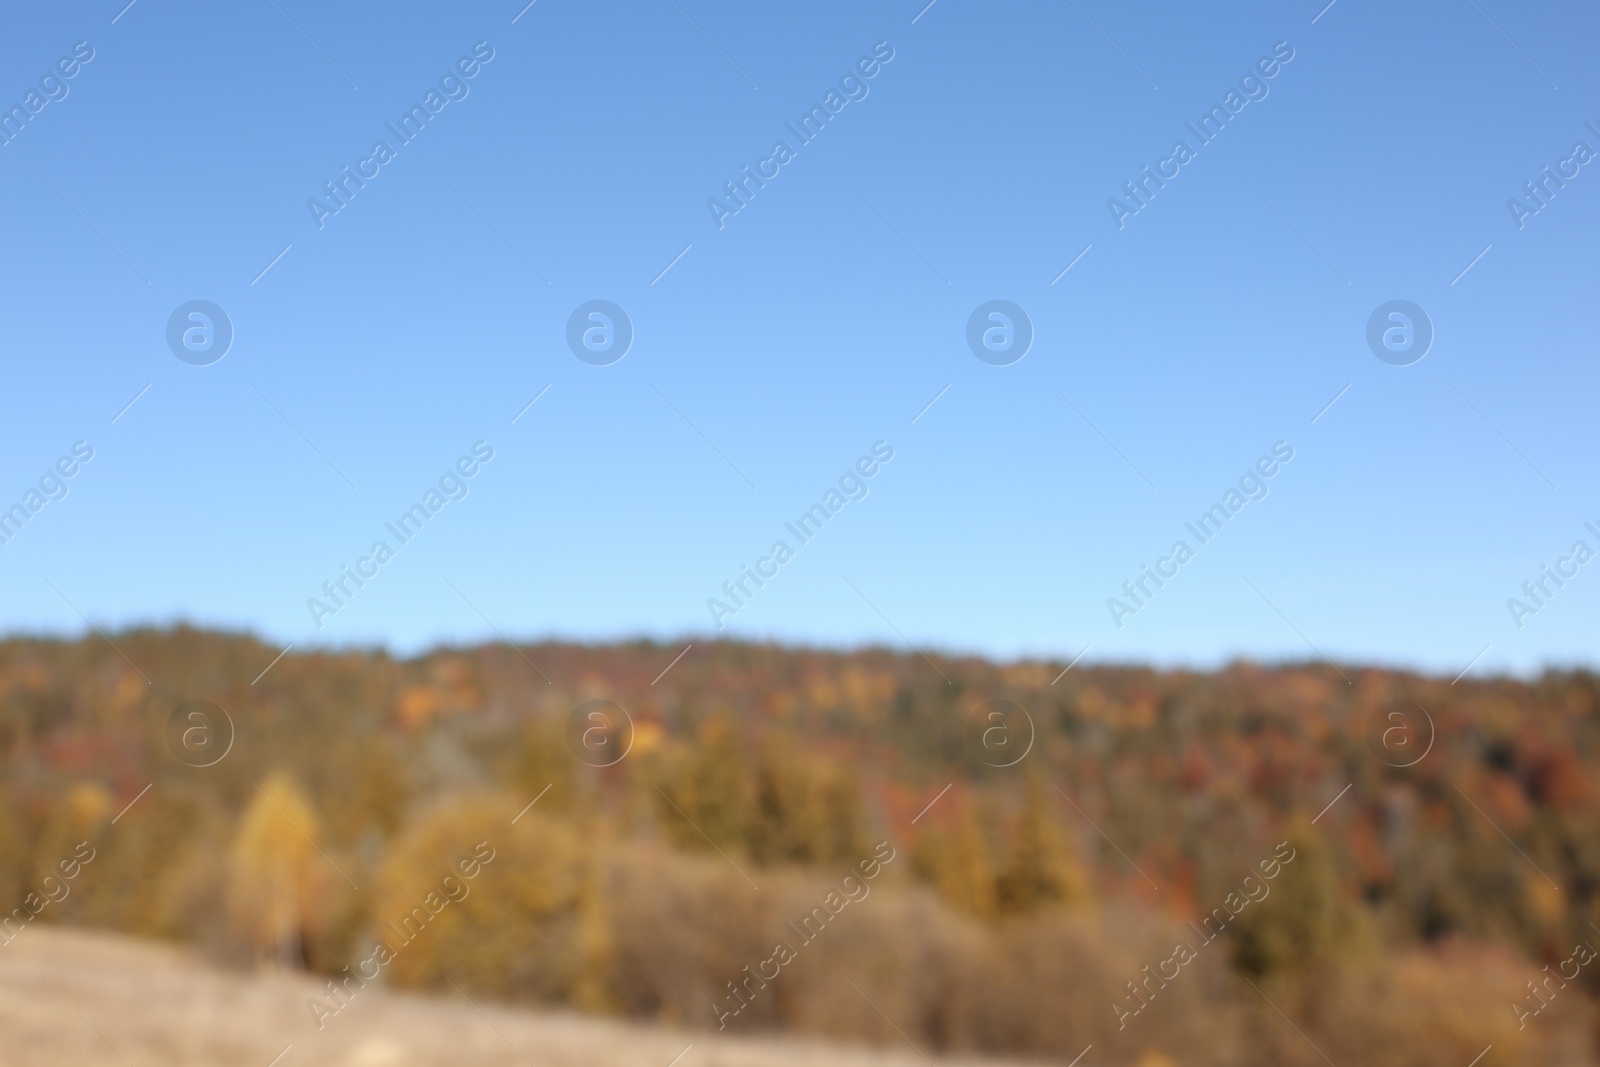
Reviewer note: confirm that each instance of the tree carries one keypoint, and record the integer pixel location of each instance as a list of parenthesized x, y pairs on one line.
[(1302, 922), (277, 881), (1039, 868), (807, 808)]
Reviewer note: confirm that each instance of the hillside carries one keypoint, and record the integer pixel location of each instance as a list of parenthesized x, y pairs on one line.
[(117, 997), (1302, 863)]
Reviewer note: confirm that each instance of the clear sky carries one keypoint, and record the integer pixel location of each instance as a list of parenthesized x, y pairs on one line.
[(570, 153)]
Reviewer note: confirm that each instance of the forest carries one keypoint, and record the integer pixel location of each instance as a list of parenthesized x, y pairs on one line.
[(1290, 864)]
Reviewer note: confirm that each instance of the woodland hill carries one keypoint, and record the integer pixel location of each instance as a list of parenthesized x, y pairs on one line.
[(1421, 906)]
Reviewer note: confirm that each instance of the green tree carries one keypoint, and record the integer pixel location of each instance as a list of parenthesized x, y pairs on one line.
[(1302, 922)]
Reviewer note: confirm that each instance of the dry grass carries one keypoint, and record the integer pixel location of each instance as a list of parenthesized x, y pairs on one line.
[(149, 1004)]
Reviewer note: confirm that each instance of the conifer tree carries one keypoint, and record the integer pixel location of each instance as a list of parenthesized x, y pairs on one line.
[(1301, 922), (1040, 867)]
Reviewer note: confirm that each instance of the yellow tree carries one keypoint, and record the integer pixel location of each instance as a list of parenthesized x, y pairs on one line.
[(706, 788), (955, 857), (277, 880), (1041, 867), (806, 807)]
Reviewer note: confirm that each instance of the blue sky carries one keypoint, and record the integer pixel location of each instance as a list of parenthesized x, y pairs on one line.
[(823, 317)]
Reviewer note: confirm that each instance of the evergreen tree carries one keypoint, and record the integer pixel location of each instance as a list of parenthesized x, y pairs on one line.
[(1301, 922), (1040, 867)]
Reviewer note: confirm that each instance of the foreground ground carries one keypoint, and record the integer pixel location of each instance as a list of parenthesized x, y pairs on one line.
[(99, 999)]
